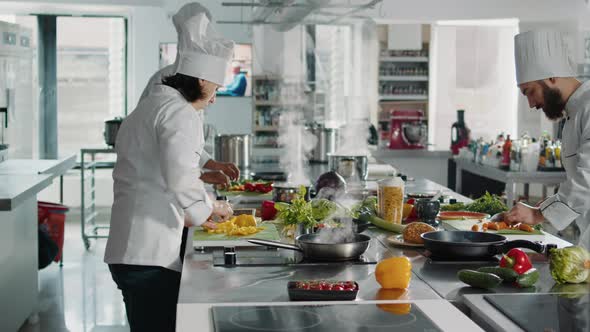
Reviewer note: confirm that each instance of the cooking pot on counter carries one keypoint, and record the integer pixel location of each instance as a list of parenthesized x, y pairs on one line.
[(234, 149), (285, 192), (326, 142), (111, 128), (350, 167)]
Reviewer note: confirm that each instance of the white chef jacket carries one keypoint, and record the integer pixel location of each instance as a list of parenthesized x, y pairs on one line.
[(156, 181), (157, 79), (572, 201)]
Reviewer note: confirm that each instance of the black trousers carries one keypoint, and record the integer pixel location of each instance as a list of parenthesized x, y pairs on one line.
[(150, 294)]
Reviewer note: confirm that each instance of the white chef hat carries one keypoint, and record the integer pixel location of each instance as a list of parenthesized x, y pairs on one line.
[(202, 51), (540, 55), (186, 12)]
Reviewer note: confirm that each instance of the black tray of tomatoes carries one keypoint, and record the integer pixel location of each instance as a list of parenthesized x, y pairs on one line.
[(322, 290)]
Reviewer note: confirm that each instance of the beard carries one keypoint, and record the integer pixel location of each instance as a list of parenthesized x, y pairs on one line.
[(554, 104)]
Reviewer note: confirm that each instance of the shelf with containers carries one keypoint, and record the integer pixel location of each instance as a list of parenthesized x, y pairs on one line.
[(403, 75), (272, 95)]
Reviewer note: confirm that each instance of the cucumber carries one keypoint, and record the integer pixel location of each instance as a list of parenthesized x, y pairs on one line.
[(507, 275), (479, 279), (528, 279), (381, 223)]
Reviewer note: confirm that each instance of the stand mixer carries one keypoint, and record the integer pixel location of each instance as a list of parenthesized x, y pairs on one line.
[(408, 130)]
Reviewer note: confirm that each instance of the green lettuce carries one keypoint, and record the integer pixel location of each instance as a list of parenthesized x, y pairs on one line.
[(570, 265)]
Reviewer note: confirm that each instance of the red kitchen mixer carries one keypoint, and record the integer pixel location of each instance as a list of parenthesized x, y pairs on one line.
[(408, 130)]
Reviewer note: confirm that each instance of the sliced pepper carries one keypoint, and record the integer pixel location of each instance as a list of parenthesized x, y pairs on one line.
[(517, 260)]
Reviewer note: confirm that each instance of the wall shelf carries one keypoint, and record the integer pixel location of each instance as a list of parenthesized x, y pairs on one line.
[(409, 78), (403, 59), (402, 97)]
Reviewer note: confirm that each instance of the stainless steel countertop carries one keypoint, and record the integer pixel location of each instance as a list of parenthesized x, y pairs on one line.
[(202, 282), (21, 178), (422, 153), (14, 189), (54, 167)]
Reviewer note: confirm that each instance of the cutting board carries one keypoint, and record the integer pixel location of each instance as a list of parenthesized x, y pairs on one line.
[(245, 193), (466, 224), (204, 239)]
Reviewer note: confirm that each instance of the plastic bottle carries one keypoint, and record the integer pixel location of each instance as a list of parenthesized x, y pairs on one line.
[(506, 149)]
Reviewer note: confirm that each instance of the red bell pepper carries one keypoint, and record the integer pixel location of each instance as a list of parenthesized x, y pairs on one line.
[(516, 260)]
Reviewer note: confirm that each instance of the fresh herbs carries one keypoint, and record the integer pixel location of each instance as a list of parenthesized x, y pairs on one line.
[(490, 204), (298, 212)]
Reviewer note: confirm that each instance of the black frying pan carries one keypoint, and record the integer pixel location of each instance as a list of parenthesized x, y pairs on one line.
[(480, 245)]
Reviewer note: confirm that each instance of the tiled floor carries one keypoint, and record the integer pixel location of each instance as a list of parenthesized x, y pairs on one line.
[(80, 296)]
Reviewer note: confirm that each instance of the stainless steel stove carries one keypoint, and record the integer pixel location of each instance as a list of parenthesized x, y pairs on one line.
[(333, 317), (232, 257)]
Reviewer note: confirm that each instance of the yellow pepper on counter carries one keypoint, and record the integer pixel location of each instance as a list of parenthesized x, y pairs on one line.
[(394, 272)]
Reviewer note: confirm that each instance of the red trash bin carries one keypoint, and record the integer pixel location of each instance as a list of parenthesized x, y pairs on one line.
[(53, 217)]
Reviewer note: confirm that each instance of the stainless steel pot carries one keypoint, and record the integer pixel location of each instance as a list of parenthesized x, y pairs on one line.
[(313, 249), (349, 167), (285, 192), (111, 128), (234, 149), (326, 143)]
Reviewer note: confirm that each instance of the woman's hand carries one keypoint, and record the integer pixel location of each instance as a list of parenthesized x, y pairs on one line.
[(525, 214), (222, 211)]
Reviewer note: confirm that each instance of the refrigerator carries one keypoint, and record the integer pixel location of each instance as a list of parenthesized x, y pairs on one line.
[(18, 100)]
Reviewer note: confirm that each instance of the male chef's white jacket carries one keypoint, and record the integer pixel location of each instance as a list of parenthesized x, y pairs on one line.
[(157, 79), (572, 201), (157, 183)]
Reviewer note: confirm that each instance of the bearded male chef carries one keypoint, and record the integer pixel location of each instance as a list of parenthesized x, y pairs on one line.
[(545, 75)]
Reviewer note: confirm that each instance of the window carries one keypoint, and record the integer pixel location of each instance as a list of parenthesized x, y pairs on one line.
[(91, 79)]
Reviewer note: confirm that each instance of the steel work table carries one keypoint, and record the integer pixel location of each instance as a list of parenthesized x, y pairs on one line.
[(511, 178)]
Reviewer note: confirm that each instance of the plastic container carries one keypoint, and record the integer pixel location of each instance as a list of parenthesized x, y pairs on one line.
[(52, 216), (322, 290), (391, 199)]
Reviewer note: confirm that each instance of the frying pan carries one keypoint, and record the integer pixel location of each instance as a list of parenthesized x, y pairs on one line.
[(466, 244), (312, 249)]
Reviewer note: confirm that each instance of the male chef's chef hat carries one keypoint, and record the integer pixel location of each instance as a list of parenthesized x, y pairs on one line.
[(540, 55), (202, 51)]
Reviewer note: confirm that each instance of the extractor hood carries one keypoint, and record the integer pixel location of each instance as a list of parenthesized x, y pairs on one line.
[(283, 15)]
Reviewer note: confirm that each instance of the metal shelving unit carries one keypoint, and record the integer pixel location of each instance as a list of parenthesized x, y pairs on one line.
[(88, 227)]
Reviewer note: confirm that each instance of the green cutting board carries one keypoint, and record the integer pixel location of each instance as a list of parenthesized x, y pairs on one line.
[(204, 239), (244, 193)]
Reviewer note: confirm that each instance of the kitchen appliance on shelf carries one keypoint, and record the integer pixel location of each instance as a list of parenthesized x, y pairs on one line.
[(326, 142), (408, 130), (235, 149), (459, 133)]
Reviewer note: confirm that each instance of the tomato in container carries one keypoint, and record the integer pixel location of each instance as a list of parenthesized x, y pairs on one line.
[(322, 290)]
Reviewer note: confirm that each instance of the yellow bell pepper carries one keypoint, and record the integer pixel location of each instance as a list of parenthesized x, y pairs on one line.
[(394, 272)]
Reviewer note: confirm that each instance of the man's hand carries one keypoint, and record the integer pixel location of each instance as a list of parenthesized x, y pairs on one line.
[(217, 178), (525, 214), (228, 169)]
